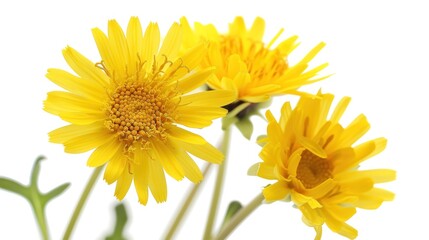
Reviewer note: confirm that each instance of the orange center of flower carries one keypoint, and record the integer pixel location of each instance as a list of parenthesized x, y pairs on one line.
[(138, 112), (262, 63), (313, 170)]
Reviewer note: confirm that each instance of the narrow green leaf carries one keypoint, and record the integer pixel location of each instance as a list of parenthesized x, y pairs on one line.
[(36, 170), (11, 185), (121, 221), (55, 192)]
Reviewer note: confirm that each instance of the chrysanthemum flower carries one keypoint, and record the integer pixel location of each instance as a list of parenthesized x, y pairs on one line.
[(314, 161), (254, 70), (130, 105)]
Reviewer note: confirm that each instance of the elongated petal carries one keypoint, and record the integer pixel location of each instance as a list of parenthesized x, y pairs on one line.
[(104, 153), (123, 185), (116, 167), (276, 191), (181, 134), (156, 181)]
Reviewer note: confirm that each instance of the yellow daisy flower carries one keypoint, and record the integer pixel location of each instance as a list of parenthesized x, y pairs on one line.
[(255, 71), (314, 161), (128, 107)]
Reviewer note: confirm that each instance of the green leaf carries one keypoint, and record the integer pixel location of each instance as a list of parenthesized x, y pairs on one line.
[(121, 221), (12, 186), (233, 208), (55, 192), (36, 199)]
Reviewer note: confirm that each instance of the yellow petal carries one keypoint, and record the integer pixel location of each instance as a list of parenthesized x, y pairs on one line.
[(104, 49), (115, 167), (87, 142), (82, 87), (119, 47), (376, 175), (141, 180), (82, 118), (312, 53), (238, 27), (181, 134), (172, 42), (168, 160), (301, 199), (151, 41), (322, 189), (355, 130), (356, 186), (193, 81), (311, 216), (276, 191), (257, 30), (84, 67), (340, 227), (373, 198), (104, 153), (266, 171), (199, 116), (215, 58), (340, 109), (213, 98), (187, 62), (58, 102), (312, 146), (123, 185), (293, 161), (206, 152), (370, 149), (190, 168), (156, 181), (69, 132), (135, 42)]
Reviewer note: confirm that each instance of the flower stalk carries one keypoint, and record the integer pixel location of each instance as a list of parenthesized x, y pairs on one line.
[(218, 186), (239, 217), (81, 202)]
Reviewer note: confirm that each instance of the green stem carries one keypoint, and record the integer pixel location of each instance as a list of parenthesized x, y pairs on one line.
[(40, 216), (218, 186), (81, 202), (239, 217), (186, 204)]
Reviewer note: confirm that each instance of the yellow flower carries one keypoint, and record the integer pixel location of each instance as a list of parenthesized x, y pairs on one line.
[(128, 108), (314, 161), (255, 71)]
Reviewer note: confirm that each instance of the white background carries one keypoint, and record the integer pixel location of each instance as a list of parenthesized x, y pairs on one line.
[(378, 51)]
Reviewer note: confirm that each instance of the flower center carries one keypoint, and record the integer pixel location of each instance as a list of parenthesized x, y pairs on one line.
[(313, 170), (262, 63), (138, 112)]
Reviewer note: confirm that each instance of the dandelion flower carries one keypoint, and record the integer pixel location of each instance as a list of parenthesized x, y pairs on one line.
[(314, 161), (254, 70), (130, 106)]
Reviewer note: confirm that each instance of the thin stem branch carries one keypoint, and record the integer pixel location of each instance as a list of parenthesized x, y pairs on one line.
[(218, 186), (81, 202), (186, 204), (239, 217)]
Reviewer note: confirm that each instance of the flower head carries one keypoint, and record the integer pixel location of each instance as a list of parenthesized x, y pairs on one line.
[(314, 161), (130, 105), (254, 70)]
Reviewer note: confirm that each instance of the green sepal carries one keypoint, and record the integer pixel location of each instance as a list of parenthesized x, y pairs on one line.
[(246, 127)]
